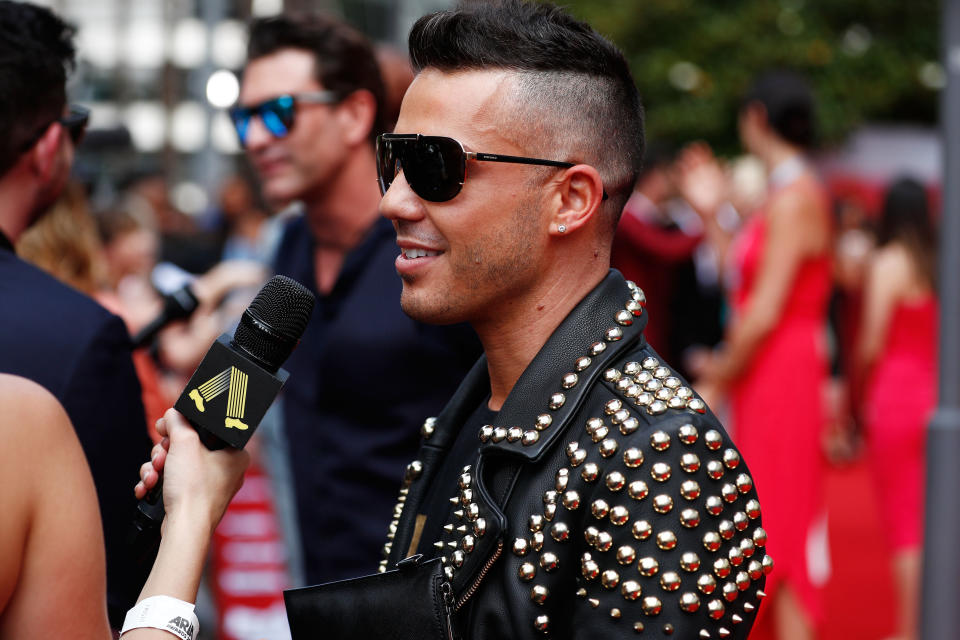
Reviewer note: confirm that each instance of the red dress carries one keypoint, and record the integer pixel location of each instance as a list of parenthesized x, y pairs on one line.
[(900, 398), (778, 412)]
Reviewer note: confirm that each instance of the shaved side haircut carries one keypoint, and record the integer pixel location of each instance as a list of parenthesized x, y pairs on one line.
[(574, 98)]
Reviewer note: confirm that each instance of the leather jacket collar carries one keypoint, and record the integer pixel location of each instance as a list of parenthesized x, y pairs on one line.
[(607, 322)]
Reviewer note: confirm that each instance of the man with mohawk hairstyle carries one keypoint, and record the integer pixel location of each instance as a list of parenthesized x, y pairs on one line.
[(575, 486)]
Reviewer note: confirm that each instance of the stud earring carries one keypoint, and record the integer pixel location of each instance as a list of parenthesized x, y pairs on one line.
[(562, 228)]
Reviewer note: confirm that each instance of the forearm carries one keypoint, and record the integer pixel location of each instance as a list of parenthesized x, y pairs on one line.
[(180, 560), (178, 568), (197, 489)]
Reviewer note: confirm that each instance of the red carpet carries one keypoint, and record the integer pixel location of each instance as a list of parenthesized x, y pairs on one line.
[(248, 566), (859, 599)]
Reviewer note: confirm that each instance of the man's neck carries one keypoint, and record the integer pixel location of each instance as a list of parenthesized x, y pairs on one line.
[(340, 212), (340, 215), (16, 207), (513, 338)]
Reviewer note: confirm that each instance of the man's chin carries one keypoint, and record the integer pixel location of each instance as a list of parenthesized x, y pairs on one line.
[(428, 311), (280, 193)]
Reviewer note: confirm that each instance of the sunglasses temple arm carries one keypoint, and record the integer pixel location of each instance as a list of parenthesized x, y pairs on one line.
[(496, 157), (492, 157)]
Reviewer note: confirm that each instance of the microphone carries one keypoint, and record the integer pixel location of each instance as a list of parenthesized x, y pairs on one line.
[(234, 385), (176, 306)]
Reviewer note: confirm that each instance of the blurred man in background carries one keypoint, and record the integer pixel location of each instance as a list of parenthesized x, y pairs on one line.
[(49, 332), (311, 104)]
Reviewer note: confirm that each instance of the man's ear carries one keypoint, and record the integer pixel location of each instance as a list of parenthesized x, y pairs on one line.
[(578, 196), (43, 155), (356, 114)]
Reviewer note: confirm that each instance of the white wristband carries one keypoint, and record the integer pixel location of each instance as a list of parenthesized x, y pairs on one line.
[(163, 612)]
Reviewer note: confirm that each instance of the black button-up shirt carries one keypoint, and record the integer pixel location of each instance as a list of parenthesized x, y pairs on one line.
[(362, 381)]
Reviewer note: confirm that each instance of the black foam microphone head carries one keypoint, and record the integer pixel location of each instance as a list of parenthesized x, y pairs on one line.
[(271, 326)]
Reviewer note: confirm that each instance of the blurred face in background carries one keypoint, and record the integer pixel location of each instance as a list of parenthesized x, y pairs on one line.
[(306, 160), (133, 252)]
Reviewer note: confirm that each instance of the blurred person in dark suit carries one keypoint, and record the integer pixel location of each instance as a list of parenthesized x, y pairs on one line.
[(49, 332), (364, 376)]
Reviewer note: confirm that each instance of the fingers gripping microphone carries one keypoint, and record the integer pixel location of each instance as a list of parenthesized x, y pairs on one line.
[(235, 384)]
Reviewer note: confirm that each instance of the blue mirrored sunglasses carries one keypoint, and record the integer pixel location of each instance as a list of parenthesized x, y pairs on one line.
[(276, 113)]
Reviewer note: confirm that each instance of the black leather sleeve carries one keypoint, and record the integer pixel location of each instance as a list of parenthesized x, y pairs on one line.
[(669, 535), (648, 522)]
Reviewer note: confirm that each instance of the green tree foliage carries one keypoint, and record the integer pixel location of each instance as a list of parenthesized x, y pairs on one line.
[(868, 60)]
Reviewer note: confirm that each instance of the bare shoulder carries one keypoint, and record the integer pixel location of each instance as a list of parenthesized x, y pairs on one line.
[(803, 202), (52, 584), (801, 213), (893, 256), (892, 263), (21, 397), (25, 405), (32, 424), (892, 266), (12, 386)]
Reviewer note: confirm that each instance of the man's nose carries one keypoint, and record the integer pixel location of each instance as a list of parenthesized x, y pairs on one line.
[(400, 202), (257, 134)]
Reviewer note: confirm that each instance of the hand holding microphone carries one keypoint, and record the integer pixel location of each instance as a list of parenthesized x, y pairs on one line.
[(231, 389), (199, 482)]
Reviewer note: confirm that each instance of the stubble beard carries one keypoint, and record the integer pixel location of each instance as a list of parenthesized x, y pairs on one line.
[(494, 268)]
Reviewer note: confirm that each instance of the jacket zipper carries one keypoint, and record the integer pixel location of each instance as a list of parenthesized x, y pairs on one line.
[(447, 589), (483, 573)]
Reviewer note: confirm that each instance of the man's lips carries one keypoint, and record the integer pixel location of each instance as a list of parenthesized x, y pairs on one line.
[(414, 248), (270, 165), (412, 253)]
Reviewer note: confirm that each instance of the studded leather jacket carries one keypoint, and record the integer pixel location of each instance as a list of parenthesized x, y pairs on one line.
[(606, 502)]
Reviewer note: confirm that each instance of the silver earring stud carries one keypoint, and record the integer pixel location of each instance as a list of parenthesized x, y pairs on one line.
[(562, 228)]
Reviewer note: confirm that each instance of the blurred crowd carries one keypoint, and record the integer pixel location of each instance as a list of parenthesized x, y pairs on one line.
[(809, 322), (130, 256)]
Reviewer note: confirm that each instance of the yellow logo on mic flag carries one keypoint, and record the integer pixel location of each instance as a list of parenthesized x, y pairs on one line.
[(235, 382)]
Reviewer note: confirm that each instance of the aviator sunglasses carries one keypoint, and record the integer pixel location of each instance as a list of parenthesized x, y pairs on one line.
[(435, 166), (75, 122), (276, 113)]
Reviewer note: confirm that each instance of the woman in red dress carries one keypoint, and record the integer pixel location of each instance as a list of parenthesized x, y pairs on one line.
[(897, 359), (773, 364)]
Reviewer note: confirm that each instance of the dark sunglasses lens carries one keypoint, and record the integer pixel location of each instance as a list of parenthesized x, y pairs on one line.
[(434, 168), (386, 162), (76, 123), (76, 132), (78, 127)]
